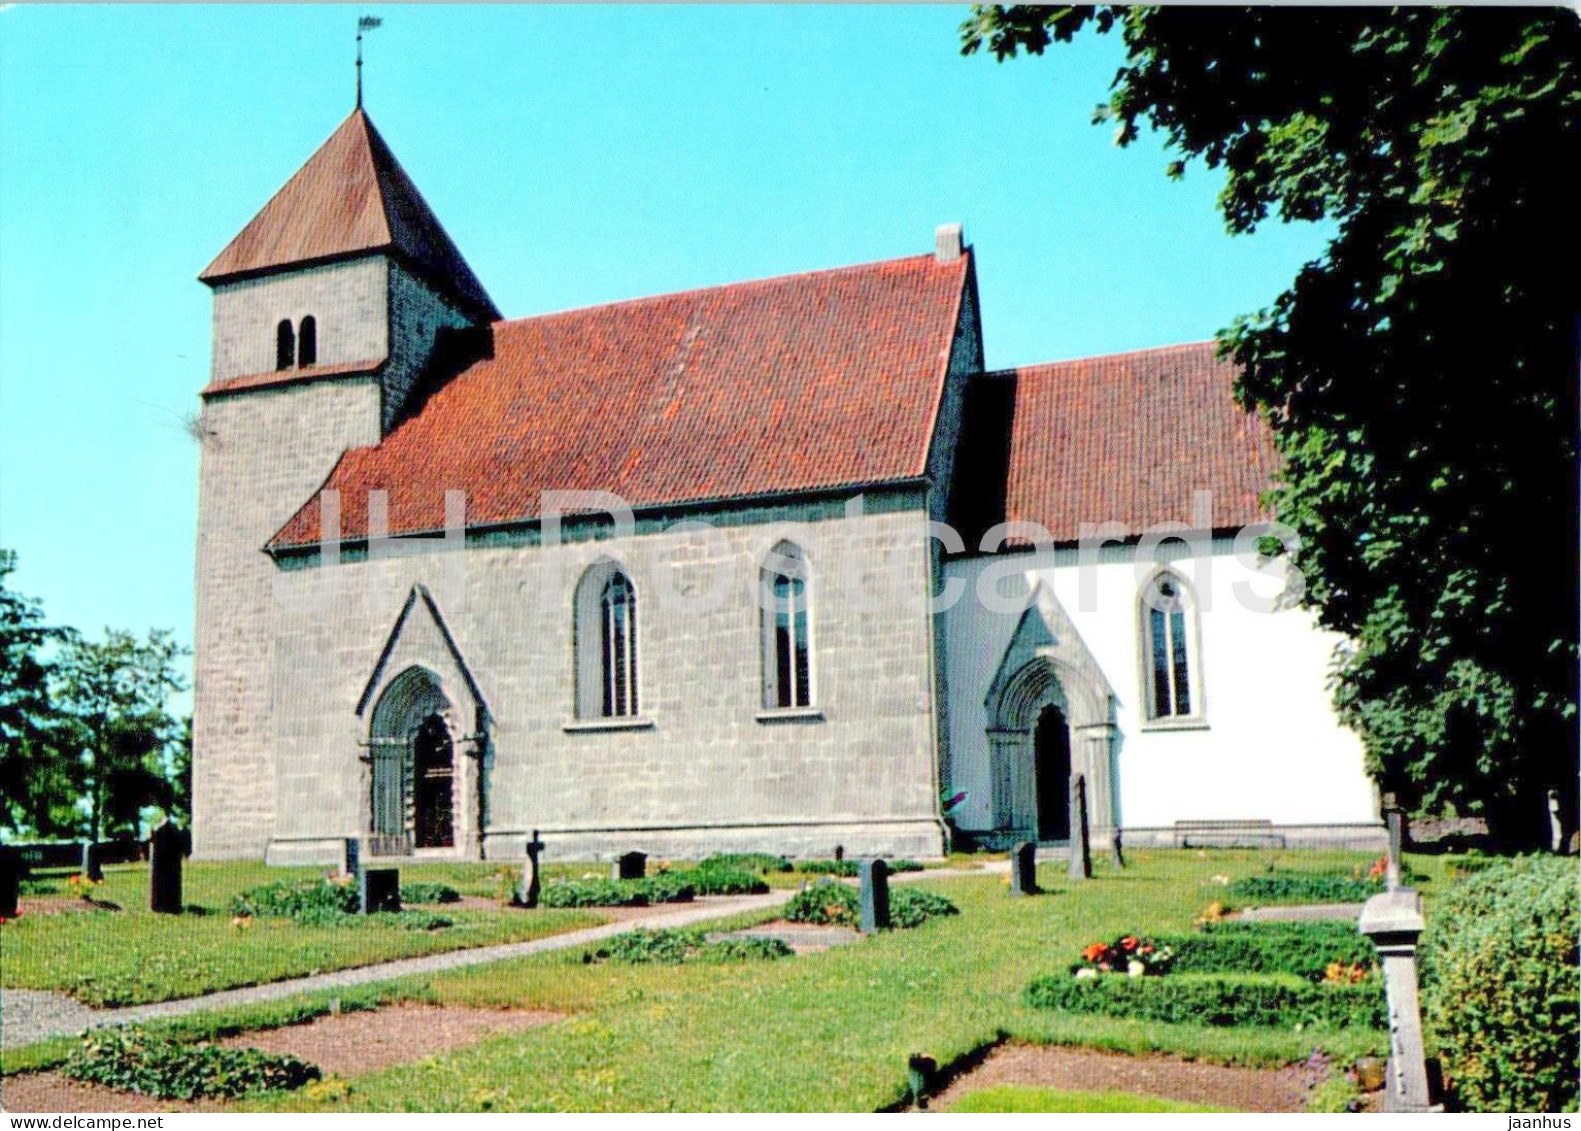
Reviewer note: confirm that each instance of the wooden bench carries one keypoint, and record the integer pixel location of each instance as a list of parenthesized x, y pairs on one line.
[(1227, 834)]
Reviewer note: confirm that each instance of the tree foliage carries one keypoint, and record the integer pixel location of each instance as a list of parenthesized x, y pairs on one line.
[(39, 782), (1420, 376), (114, 695)]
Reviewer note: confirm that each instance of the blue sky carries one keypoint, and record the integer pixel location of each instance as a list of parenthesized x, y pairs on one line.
[(577, 155)]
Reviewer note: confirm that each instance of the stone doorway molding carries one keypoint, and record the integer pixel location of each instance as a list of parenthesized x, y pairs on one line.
[(421, 673), (1047, 664)]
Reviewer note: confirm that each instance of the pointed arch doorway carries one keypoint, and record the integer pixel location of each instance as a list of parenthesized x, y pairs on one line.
[(412, 751), (1051, 768)]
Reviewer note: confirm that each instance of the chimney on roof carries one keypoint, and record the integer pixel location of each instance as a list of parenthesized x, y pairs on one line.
[(947, 243)]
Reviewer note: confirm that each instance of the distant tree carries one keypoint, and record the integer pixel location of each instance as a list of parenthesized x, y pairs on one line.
[(1421, 375), (115, 694), (39, 781)]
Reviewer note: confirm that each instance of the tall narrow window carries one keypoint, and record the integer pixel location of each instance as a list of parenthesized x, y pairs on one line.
[(307, 341), (284, 345), (618, 610), (1167, 647), (787, 672), (606, 644)]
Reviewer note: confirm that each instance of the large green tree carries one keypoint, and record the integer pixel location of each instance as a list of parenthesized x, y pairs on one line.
[(1420, 376), (39, 781), (115, 694)]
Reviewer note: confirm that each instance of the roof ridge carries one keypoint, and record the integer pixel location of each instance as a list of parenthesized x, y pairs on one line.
[(690, 292), (1015, 370)]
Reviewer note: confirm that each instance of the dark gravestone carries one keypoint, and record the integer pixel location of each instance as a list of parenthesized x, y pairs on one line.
[(531, 885), (1116, 852), (839, 853), (10, 880), (630, 866), (1080, 851), (875, 895), (379, 889), (92, 862), (166, 846), (350, 863), (1024, 869)]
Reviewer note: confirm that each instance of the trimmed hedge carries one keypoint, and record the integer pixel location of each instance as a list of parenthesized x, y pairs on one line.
[(133, 1061), (1500, 985), (1302, 949), (662, 888), (850, 867), (672, 947), (1190, 1000), (842, 904)]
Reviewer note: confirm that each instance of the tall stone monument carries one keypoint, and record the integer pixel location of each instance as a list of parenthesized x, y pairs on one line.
[(1393, 921), (1080, 850)]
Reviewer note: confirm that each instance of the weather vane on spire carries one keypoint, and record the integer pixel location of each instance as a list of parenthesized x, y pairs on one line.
[(364, 23)]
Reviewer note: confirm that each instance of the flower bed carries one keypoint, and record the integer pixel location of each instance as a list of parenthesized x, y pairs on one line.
[(429, 893), (1288, 885), (134, 1061), (1307, 950), (309, 902), (841, 904), (665, 887), (1133, 955), (672, 947)]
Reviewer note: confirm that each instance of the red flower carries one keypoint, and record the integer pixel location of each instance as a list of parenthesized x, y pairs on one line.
[(1129, 942), (1145, 950), (1094, 951)]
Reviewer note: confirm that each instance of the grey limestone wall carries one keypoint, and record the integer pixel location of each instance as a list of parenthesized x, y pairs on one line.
[(347, 300), (704, 768), (264, 454), (417, 312)]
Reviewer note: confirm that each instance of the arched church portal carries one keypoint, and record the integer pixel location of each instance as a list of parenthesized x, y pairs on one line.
[(412, 748), (1047, 721)]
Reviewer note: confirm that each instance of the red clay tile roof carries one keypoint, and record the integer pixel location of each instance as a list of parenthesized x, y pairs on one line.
[(819, 380), (351, 198), (1129, 437), (297, 376)]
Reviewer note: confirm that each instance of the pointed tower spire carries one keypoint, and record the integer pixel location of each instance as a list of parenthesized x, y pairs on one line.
[(352, 198)]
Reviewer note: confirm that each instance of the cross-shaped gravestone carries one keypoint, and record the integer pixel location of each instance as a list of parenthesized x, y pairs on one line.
[(379, 889), (1080, 851), (1024, 869), (1116, 852), (10, 880), (166, 846), (527, 894), (875, 895), (629, 866)]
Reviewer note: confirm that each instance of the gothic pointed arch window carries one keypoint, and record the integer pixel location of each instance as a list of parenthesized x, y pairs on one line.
[(606, 644), (787, 646), (307, 341), (1170, 648), (284, 345)]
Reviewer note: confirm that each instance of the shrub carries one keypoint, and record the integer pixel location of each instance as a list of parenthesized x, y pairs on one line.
[(849, 867), (1288, 886), (1500, 985), (841, 903), (759, 862), (672, 947), (825, 903), (413, 920), (1303, 949), (725, 881), (663, 888), (1213, 1001), (429, 893), (134, 1061), (286, 899), (910, 907)]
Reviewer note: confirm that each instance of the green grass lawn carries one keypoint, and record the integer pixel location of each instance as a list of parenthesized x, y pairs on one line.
[(830, 1031), (134, 956), (1013, 1098)]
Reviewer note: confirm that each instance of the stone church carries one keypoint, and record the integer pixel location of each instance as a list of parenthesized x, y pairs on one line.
[(775, 565)]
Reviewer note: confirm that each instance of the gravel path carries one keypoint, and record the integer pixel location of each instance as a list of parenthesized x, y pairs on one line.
[(27, 1016)]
